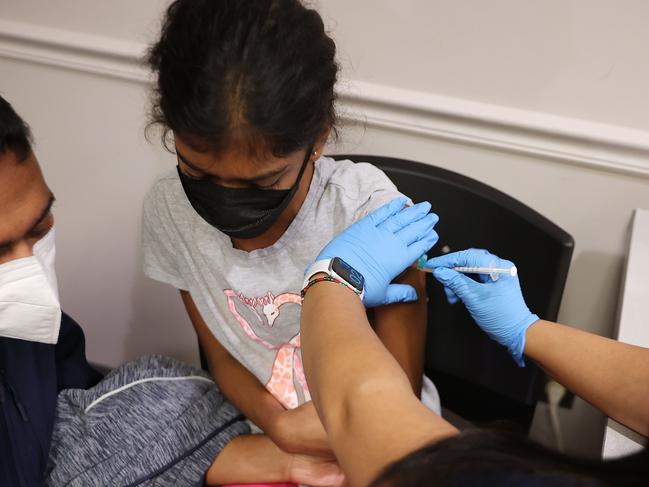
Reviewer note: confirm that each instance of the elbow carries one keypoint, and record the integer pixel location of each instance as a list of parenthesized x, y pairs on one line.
[(644, 424), (633, 423), (363, 397)]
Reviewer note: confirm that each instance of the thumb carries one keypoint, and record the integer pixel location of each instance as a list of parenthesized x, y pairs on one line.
[(454, 281), (400, 293), (451, 297)]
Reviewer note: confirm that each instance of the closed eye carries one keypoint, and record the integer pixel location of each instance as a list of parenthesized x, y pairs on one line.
[(194, 177), (269, 186), (41, 230)]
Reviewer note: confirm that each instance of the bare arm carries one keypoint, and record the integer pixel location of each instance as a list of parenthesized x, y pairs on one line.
[(295, 431), (361, 393), (255, 459), (402, 329), (236, 382), (612, 376)]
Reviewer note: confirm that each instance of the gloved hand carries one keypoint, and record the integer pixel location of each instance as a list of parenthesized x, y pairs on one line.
[(497, 307), (382, 245)]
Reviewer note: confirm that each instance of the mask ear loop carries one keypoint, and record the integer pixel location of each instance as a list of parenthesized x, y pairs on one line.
[(304, 165)]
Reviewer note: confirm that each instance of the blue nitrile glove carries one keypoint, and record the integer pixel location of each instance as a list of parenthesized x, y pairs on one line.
[(497, 307), (382, 245)]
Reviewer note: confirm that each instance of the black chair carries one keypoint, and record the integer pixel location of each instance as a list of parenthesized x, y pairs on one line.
[(477, 378)]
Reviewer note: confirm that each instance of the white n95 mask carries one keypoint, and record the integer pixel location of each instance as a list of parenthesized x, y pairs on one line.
[(29, 297)]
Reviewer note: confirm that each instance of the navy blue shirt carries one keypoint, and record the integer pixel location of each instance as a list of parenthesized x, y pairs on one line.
[(31, 376)]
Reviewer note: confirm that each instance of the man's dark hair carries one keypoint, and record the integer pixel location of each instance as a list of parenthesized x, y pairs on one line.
[(15, 135), (254, 72), (497, 458)]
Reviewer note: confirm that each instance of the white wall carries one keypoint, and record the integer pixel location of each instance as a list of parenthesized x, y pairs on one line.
[(579, 58), (118, 19), (544, 100), (90, 142)]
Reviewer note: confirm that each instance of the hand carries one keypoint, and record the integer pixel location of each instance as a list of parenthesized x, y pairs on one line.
[(257, 459), (381, 245), (497, 307), (315, 471), (300, 431)]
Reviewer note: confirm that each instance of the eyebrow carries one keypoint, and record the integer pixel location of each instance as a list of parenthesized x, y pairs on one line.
[(43, 215), (258, 177), (185, 161)]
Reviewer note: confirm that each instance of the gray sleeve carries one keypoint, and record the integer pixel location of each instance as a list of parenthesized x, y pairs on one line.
[(161, 259), (380, 190)]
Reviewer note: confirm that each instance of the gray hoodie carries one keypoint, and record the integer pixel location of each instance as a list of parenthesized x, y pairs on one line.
[(151, 422)]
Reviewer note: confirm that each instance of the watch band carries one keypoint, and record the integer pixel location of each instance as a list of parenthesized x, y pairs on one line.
[(324, 266), (316, 280), (316, 267)]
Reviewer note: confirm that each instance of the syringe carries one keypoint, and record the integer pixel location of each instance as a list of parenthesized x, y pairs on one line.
[(493, 271)]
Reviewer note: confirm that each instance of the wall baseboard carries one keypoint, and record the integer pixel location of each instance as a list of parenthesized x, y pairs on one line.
[(540, 135)]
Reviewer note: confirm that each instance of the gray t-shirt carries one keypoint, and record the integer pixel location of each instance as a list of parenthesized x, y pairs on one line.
[(251, 300)]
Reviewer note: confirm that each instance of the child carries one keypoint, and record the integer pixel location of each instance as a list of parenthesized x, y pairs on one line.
[(245, 93)]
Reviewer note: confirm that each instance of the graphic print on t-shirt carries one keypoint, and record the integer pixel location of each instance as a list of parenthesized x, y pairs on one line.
[(287, 370)]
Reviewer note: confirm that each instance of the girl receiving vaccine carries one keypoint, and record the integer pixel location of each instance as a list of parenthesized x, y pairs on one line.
[(245, 94)]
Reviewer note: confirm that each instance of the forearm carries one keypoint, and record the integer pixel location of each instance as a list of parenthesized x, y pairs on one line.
[(612, 376), (245, 391), (361, 393), (236, 382), (249, 459), (402, 329)]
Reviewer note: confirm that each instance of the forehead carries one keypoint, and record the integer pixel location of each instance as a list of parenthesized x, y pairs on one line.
[(235, 162), (23, 195)]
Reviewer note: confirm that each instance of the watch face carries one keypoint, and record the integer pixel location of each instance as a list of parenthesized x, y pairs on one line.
[(348, 273)]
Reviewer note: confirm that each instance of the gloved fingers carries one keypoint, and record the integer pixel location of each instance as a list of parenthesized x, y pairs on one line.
[(407, 216), (423, 245), (484, 278), (457, 282), (451, 297), (463, 258), (417, 230), (386, 211), (400, 293)]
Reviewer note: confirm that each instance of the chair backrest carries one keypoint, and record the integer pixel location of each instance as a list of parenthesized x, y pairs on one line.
[(476, 377)]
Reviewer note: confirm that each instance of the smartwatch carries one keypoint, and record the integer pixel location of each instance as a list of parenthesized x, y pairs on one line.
[(340, 270)]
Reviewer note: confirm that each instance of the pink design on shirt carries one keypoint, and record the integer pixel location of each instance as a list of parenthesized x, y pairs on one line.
[(287, 366)]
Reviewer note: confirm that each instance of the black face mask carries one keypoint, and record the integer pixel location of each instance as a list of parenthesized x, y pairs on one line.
[(239, 212)]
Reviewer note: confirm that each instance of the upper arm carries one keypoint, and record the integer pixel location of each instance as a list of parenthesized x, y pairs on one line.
[(375, 190), (211, 346), (402, 328)]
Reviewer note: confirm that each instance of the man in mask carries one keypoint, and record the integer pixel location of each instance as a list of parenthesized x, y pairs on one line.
[(42, 350)]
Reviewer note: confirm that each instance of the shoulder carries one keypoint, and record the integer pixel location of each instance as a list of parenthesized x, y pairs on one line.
[(357, 187), (165, 194), (357, 180)]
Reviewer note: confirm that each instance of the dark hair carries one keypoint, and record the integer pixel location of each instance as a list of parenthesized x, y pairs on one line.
[(15, 135), (498, 458), (254, 72)]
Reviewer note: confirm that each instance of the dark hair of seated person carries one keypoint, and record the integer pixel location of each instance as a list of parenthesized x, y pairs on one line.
[(258, 72), (484, 458), (15, 135)]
